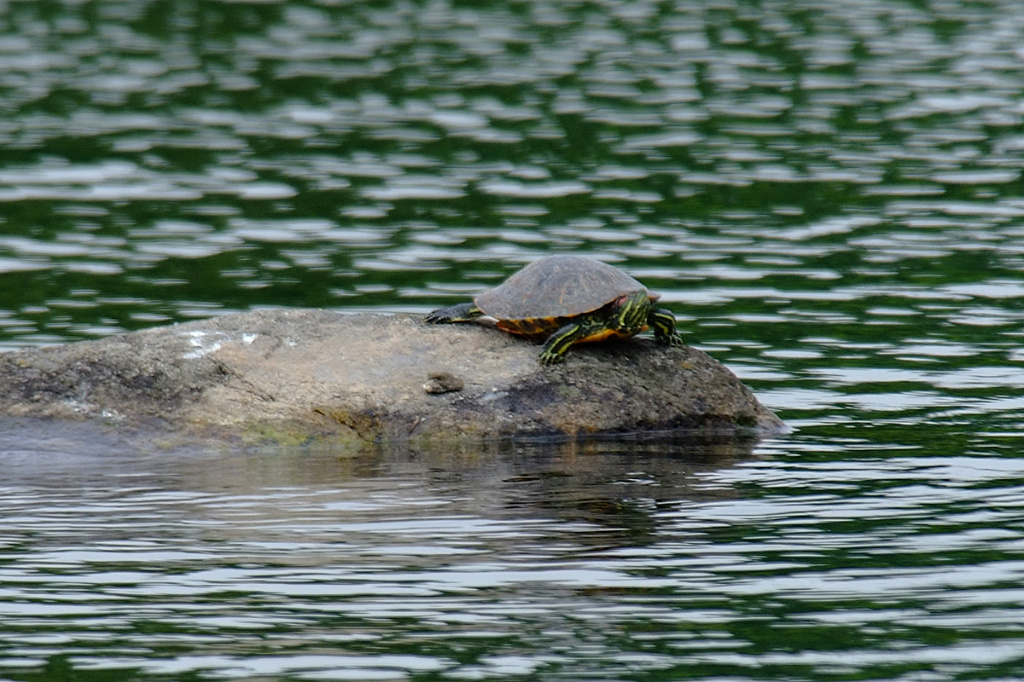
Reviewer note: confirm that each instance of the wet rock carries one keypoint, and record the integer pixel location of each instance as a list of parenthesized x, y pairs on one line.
[(295, 375)]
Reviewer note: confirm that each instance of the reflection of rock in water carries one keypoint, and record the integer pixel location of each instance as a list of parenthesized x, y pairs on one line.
[(620, 487), (291, 375), (612, 494), (602, 494)]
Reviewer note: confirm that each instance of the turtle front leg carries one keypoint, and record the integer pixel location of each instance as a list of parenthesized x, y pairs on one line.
[(554, 349), (558, 343), (663, 322), (464, 312)]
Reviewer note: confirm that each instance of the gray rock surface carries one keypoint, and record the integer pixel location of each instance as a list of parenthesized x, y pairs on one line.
[(294, 375)]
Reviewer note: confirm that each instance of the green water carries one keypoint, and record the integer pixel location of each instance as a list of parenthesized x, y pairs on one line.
[(828, 195)]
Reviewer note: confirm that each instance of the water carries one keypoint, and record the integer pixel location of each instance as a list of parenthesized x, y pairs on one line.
[(828, 194), (593, 563)]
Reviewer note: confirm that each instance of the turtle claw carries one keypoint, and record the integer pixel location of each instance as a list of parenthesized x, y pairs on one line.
[(675, 340), (548, 359), (434, 318)]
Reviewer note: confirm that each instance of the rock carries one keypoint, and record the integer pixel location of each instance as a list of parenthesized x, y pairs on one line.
[(443, 382), (295, 375)]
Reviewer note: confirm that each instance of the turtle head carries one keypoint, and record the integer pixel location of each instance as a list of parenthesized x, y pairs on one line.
[(629, 313)]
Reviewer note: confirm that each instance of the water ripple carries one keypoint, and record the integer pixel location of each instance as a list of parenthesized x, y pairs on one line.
[(827, 196)]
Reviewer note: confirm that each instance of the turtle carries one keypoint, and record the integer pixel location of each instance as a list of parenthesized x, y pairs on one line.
[(567, 299)]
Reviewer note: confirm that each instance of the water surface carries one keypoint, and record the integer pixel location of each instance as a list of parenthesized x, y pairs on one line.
[(828, 195)]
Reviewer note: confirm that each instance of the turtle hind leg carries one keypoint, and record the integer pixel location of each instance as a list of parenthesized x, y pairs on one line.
[(663, 322), (464, 312)]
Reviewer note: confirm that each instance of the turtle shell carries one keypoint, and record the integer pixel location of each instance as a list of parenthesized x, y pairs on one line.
[(546, 291)]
